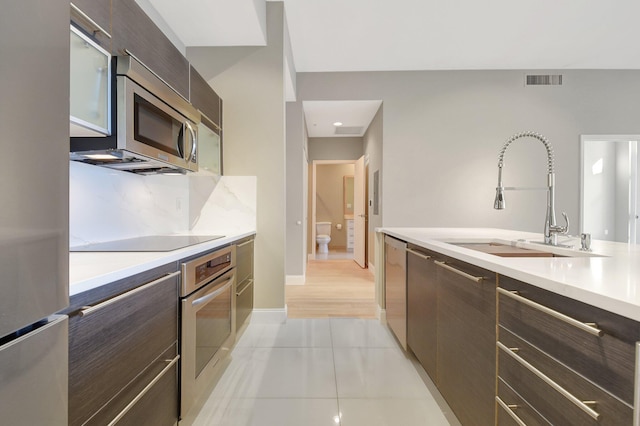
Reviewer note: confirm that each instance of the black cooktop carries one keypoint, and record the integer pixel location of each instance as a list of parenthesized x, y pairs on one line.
[(149, 243)]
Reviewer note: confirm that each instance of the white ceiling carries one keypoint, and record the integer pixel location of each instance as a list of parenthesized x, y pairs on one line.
[(382, 35), (355, 117)]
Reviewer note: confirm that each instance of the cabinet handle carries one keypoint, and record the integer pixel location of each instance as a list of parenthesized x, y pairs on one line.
[(417, 253), (244, 244), (457, 271), (584, 406), (146, 389), (590, 328), (509, 410), (97, 28), (245, 287), (91, 309)]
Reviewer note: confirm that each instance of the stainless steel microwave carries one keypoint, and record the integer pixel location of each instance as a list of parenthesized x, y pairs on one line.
[(156, 128)]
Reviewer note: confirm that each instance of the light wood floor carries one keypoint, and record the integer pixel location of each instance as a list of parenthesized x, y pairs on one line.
[(333, 288)]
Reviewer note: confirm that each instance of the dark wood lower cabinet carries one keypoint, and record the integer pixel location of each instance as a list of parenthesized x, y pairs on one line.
[(572, 362), (244, 283), (550, 370), (422, 309), (158, 405), (466, 341), (119, 346)]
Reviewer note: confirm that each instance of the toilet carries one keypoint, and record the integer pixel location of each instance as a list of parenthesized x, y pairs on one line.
[(323, 236)]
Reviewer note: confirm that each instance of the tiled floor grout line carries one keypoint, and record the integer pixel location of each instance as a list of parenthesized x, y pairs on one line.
[(335, 372)]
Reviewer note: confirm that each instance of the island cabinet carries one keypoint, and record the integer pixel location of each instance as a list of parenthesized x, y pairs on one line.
[(562, 360), (135, 33), (451, 312), (123, 351), (466, 340), (93, 17), (422, 308)]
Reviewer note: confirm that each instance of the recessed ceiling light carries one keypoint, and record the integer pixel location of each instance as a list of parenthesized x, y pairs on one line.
[(337, 124)]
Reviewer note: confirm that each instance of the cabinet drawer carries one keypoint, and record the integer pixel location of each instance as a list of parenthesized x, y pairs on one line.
[(244, 301), (518, 362), (244, 261), (111, 346), (606, 360), (509, 400), (155, 393)]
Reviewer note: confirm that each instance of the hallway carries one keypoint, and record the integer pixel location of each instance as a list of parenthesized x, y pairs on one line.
[(323, 372), (334, 288)]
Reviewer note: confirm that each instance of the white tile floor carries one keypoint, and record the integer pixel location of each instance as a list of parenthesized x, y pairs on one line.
[(307, 372)]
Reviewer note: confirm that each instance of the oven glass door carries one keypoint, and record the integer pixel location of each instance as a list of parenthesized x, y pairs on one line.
[(155, 128), (213, 318)]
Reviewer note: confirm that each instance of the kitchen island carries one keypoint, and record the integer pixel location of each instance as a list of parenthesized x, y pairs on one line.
[(607, 277), (516, 332)]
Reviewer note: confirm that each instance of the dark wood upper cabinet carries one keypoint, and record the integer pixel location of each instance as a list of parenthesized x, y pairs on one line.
[(204, 98), (133, 31), (94, 18)]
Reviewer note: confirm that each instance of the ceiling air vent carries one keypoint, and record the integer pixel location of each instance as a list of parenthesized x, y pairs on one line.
[(544, 80), (346, 130)]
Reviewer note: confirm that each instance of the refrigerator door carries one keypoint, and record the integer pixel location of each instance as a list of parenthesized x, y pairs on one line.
[(34, 177), (34, 376)]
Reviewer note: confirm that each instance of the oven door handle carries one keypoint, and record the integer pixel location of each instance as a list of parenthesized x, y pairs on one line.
[(215, 293)]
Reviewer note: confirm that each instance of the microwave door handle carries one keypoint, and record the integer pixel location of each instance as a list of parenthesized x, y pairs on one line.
[(194, 141), (181, 140)]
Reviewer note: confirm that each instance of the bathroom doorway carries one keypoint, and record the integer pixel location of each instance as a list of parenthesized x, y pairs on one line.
[(334, 202)]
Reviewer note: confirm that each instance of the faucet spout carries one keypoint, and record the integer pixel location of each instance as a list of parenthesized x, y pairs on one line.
[(551, 229)]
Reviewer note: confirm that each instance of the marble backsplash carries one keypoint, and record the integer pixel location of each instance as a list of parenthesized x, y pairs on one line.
[(110, 205)]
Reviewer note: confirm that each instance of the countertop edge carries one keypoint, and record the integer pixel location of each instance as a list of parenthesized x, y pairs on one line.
[(88, 270)]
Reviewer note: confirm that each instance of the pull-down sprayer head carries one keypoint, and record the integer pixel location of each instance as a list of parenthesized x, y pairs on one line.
[(499, 203)]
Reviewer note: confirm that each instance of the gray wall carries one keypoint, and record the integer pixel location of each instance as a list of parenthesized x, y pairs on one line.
[(443, 130), (373, 155), (348, 148), (250, 81), (295, 263)]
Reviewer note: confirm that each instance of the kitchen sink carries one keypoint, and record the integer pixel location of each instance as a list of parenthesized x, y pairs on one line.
[(522, 249)]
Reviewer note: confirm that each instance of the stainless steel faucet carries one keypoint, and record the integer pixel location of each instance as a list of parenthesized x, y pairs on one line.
[(551, 229)]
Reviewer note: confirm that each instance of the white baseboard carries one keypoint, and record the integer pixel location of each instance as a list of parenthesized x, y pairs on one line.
[(381, 314), (269, 316), (295, 279)]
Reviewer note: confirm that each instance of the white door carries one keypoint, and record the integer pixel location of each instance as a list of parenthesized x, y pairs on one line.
[(359, 214)]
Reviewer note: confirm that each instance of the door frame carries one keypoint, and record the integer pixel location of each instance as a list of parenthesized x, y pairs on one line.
[(312, 195)]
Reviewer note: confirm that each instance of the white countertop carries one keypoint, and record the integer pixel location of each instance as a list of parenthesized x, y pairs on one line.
[(608, 279), (91, 270)]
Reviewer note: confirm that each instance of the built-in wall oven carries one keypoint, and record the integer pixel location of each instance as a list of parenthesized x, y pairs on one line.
[(208, 321)]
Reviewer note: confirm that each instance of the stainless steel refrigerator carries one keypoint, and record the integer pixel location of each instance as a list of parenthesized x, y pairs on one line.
[(34, 211)]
